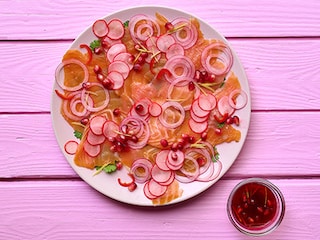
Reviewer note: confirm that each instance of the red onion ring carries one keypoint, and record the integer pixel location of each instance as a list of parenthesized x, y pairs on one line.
[(178, 62), (60, 80), (225, 56), (204, 153), (92, 108), (212, 173), (136, 32), (66, 104), (178, 107), (146, 165), (191, 31), (189, 177), (236, 93)]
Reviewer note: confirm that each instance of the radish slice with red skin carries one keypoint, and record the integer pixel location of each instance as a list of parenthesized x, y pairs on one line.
[(71, 147), (197, 127), (207, 102), (155, 109), (117, 79), (195, 108), (60, 79), (121, 67), (199, 119), (114, 50), (96, 124), (174, 50), (91, 150), (107, 42), (164, 42), (161, 159), (147, 192), (159, 175), (238, 99), (179, 108), (224, 106), (116, 29), (95, 139), (125, 57), (156, 189), (110, 129), (175, 158), (100, 28)]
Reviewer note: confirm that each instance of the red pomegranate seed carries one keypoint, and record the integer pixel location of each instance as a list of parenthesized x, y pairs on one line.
[(84, 121), (100, 77), (139, 108), (169, 26), (218, 131), (132, 187), (192, 139), (204, 136), (97, 50), (116, 112), (134, 139), (191, 86), (174, 147), (236, 120), (137, 67), (201, 161), (97, 69), (229, 120), (119, 165), (164, 142)]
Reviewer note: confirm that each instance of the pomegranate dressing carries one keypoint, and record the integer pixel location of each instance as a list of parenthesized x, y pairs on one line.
[(256, 206)]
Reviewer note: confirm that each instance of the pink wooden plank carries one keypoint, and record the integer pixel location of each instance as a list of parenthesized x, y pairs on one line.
[(277, 70), (248, 18), (278, 144), (72, 210)]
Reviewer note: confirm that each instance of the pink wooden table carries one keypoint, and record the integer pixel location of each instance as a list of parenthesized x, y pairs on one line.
[(41, 197)]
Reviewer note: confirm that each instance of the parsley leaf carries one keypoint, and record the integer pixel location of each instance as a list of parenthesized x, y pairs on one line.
[(94, 44), (126, 23), (216, 155), (110, 168), (77, 134), (220, 125)]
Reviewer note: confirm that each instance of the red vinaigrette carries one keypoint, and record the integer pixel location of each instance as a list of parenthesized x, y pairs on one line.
[(256, 206)]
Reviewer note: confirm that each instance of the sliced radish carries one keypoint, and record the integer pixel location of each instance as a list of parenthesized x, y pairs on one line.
[(207, 102), (197, 110), (100, 28), (120, 67), (161, 160), (160, 176), (107, 42), (224, 106), (91, 150), (95, 139), (164, 42), (175, 159), (96, 124), (197, 118), (110, 129), (174, 50), (156, 189), (198, 127), (114, 50), (116, 29), (126, 58), (155, 109), (147, 192), (71, 147), (117, 79)]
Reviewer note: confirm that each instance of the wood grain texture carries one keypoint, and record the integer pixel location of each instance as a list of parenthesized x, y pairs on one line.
[(276, 68), (66, 19), (72, 210), (278, 144)]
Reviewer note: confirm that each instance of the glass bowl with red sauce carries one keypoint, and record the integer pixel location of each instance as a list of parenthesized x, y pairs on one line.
[(256, 206)]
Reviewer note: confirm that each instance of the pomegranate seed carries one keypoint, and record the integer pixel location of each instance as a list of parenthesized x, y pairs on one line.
[(123, 138), (144, 55), (218, 131), (100, 77), (266, 212), (229, 120), (169, 26), (119, 165), (250, 219), (139, 108), (236, 120), (164, 142), (269, 203), (137, 67), (185, 136), (192, 139), (112, 139), (174, 147), (197, 75), (211, 78), (97, 50), (260, 209), (191, 86), (131, 59), (203, 75), (140, 60), (201, 161), (97, 69), (107, 83), (86, 85), (84, 121), (113, 148), (132, 187), (204, 136), (116, 112), (239, 210), (174, 156), (134, 139)]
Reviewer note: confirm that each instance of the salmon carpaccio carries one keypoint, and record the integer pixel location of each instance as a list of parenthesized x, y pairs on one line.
[(150, 82)]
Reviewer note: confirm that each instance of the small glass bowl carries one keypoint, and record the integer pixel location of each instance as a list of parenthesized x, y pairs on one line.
[(256, 206)]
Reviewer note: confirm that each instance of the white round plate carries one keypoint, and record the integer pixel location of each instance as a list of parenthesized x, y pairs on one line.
[(107, 183)]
